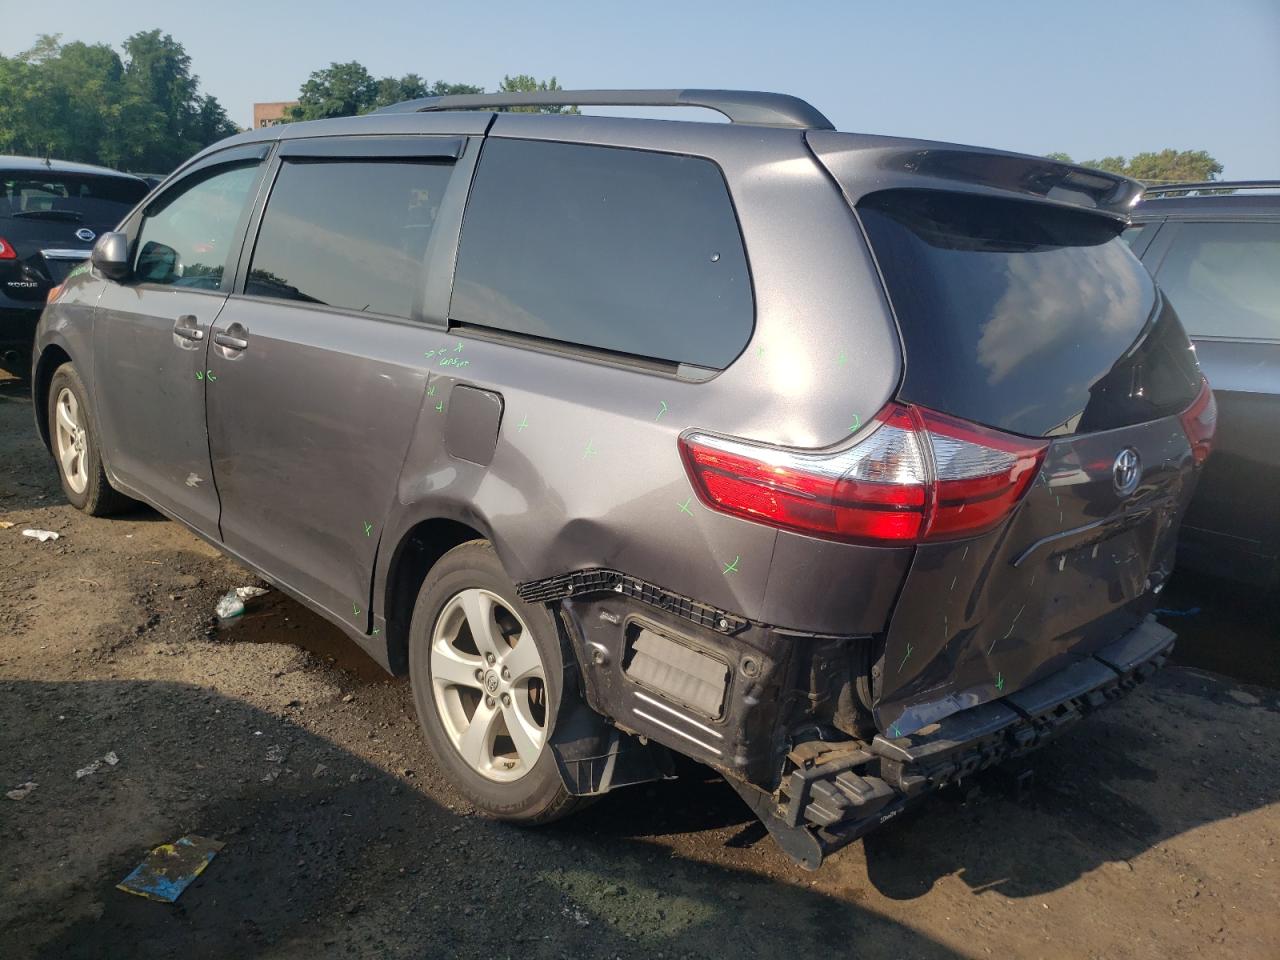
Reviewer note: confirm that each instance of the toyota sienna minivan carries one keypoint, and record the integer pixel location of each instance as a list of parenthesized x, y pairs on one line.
[(846, 465)]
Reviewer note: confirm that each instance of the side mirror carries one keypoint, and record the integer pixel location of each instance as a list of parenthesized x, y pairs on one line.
[(110, 256)]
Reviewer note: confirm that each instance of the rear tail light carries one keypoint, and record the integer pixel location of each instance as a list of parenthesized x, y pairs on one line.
[(916, 475), (1200, 420), (6, 250)]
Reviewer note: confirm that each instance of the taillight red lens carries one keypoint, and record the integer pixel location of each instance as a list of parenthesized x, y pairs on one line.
[(1200, 421), (917, 475), (6, 250)]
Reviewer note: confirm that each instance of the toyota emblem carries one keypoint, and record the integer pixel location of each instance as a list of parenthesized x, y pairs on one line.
[(85, 234), (1126, 471)]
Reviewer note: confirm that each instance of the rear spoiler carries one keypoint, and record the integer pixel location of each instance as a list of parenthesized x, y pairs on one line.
[(864, 164)]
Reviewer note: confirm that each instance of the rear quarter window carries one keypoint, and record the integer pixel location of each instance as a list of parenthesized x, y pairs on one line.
[(626, 251), (1224, 279), (1023, 316)]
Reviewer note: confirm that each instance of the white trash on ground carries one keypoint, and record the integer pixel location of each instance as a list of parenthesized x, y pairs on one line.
[(110, 759), (231, 604), (41, 535), (21, 790)]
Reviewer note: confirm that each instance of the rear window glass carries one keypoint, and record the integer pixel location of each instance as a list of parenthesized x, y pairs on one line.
[(1020, 316), (350, 234), (78, 198), (1224, 279), (621, 250)]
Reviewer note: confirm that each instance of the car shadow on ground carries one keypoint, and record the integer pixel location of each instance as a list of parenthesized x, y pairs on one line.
[(326, 854), (1154, 766)]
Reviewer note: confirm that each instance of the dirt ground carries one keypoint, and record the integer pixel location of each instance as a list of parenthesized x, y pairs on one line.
[(1151, 832)]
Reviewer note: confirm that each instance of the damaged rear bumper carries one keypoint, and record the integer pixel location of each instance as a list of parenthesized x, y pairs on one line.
[(836, 793)]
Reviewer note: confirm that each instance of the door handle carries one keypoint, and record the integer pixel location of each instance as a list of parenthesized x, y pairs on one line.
[(186, 328), (227, 340)]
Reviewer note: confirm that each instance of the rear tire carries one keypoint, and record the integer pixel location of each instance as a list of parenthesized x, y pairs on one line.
[(486, 701), (75, 447)]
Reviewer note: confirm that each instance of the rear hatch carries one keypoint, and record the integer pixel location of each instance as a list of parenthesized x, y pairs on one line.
[(1030, 327), (49, 220)]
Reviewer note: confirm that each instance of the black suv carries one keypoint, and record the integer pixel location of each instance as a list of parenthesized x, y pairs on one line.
[(1214, 248), (51, 211)]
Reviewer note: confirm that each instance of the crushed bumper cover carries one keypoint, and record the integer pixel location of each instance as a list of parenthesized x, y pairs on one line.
[(838, 792)]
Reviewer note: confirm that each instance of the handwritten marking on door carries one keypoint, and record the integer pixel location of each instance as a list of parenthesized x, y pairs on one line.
[(732, 567)]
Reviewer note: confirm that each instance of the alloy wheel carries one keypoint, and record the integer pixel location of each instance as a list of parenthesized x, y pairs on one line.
[(489, 685), (72, 440)]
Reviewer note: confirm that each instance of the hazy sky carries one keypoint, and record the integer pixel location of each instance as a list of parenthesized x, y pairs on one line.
[(1090, 77)]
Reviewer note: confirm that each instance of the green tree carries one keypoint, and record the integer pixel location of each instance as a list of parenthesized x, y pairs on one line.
[(85, 102), (523, 83), (339, 90), (1164, 166)]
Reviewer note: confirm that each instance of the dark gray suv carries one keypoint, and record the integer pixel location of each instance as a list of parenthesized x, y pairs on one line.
[(847, 465), (1214, 248)]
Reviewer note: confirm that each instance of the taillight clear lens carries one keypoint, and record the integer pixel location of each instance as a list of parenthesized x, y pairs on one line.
[(981, 474), (917, 475), (6, 250), (1200, 421)]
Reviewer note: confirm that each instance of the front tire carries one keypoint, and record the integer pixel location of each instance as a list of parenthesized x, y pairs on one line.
[(75, 447), (487, 673)]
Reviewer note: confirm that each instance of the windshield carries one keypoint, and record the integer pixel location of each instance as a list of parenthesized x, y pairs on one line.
[(78, 198), (1025, 317)]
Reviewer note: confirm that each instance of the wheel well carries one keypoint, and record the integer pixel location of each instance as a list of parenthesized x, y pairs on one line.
[(417, 552), (50, 360)]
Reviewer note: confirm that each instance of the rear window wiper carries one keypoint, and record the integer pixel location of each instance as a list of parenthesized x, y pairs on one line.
[(69, 215)]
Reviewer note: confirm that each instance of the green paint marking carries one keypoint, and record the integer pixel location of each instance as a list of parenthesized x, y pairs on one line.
[(662, 411), (376, 631), (857, 423), (732, 567), (431, 390), (440, 407), (429, 354), (999, 681), (840, 360), (904, 659), (684, 507), (524, 422), (759, 351), (355, 610), (368, 529), (896, 731), (458, 348), (199, 374), (209, 376), (589, 452)]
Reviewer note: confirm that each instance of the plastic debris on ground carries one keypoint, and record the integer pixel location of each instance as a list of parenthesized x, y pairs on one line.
[(231, 604), (19, 792), (170, 868), (41, 535), (6, 524), (110, 759)]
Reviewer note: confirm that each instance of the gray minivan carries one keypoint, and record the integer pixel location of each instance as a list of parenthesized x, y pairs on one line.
[(846, 465)]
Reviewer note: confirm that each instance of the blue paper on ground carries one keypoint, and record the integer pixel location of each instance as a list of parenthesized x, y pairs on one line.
[(170, 867)]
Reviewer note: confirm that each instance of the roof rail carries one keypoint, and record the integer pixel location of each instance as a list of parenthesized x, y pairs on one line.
[(740, 106), (1212, 186)]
